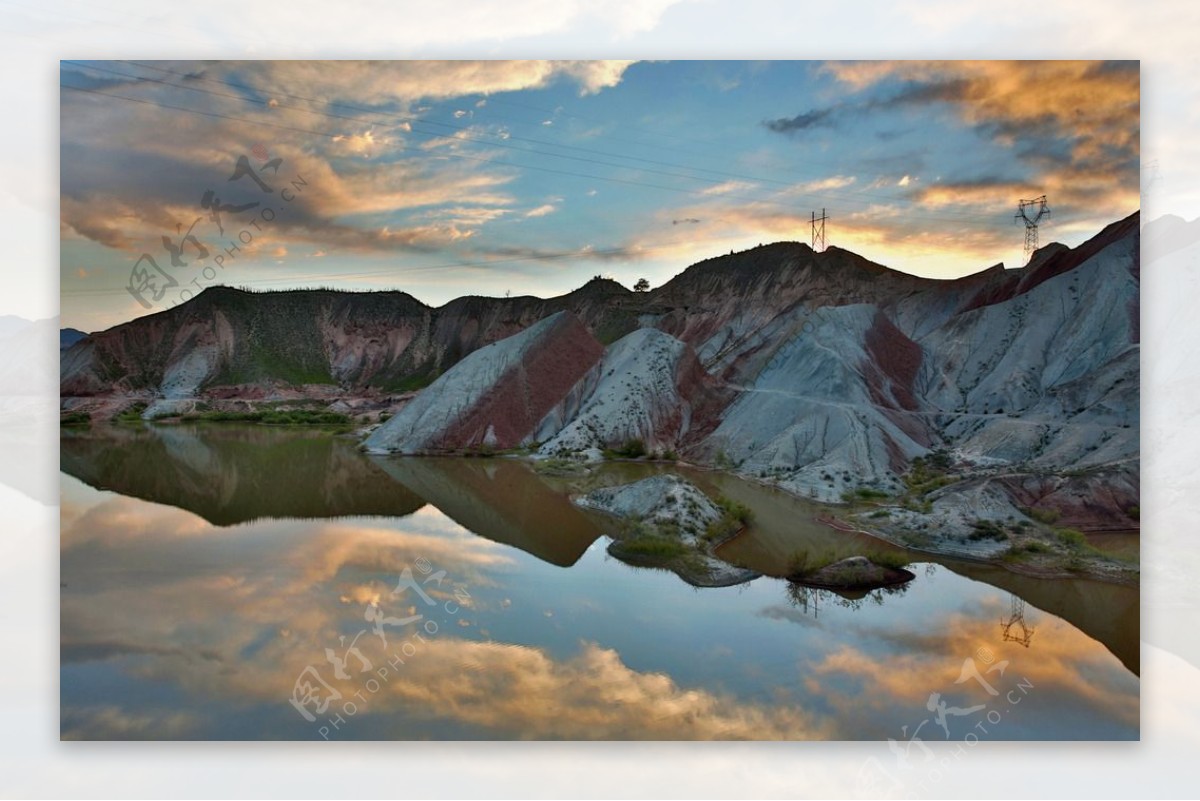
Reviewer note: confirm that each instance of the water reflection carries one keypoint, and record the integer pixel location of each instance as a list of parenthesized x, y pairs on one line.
[(503, 500), (1014, 628), (809, 600), (233, 474), (174, 625)]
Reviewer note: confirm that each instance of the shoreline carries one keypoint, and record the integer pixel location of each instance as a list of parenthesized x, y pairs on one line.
[(1129, 576)]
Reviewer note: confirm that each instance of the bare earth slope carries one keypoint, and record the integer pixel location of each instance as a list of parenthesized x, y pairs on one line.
[(821, 372)]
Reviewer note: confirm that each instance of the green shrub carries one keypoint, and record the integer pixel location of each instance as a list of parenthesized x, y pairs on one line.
[(131, 414), (1047, 516), (802, 563), (1072, 538), (631, 449), (986, 530), (733, 517), (939, 459), (892, 559), (273, 417), (742, 513), (75, 419), (651, 546)]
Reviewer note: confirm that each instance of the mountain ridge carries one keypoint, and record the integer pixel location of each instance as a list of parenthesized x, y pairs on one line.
[(821, 372)]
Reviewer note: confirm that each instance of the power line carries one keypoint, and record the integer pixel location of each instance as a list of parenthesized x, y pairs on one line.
[(818, 231), (1024, 210)]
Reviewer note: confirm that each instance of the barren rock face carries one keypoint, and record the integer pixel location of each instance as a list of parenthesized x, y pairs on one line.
[(496, 396), (820, 371)]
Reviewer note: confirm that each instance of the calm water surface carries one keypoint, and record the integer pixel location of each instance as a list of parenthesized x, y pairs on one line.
[(213, 574)]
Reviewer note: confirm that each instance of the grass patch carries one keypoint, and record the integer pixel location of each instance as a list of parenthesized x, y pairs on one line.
[(864, 494), (1020, 552), (1046, 516), (733, 517), (274, 417), (1072, 538), (131, 414), (75, 420), (653, 546), (630, 449), (986, 530), (804, 563), (929, 470), (559, 467), (892, 559)]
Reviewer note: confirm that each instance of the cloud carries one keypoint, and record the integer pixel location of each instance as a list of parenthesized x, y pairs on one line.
[(1065, 664), (125, 187), (822, 117), (467, 216), (378, 83), (365, 144), (820, 185), (240, 629), (1071, 127), (727, 187), (542, 211), (113, 723)]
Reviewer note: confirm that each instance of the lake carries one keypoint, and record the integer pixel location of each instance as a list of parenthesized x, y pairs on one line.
[(224, 581)]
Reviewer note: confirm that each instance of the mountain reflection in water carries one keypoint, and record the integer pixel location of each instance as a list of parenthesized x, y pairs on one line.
[(205, 568)]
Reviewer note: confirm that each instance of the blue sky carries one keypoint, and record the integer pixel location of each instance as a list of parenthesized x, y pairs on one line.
[(452, 178)]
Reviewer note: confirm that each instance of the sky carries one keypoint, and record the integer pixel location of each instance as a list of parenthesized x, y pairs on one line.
[(449, 178)]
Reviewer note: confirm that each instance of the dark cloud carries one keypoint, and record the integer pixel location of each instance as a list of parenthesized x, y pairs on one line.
[(90, 651), (819, 117), (913, 94), (924, 93)]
